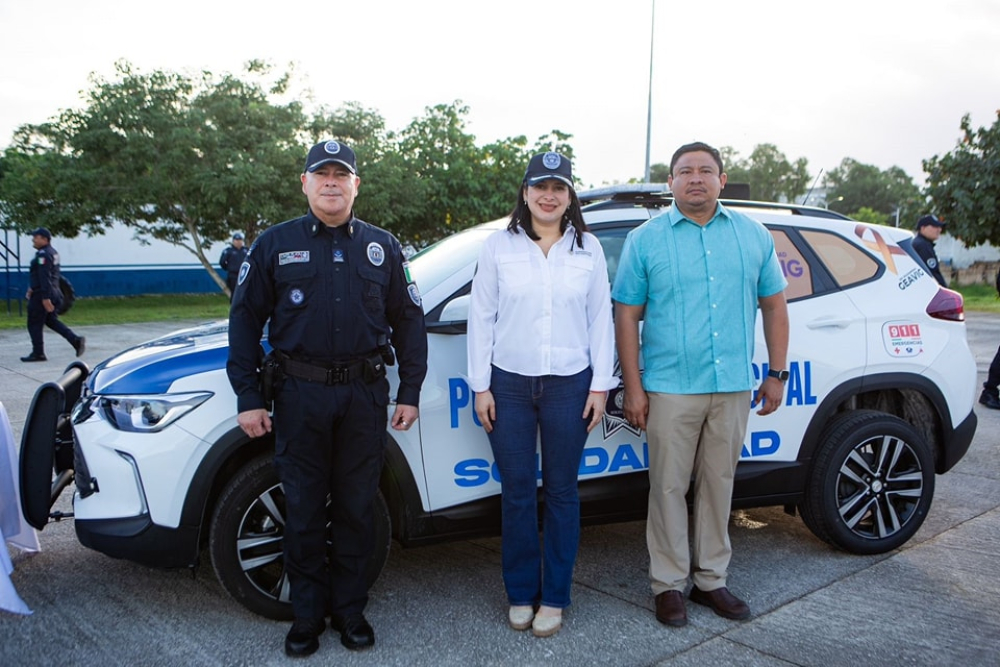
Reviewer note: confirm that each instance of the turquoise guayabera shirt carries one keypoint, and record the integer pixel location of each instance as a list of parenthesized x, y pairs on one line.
[(700, 286)]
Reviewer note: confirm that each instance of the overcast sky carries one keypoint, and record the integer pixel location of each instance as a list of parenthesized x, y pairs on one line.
[(885, 82)]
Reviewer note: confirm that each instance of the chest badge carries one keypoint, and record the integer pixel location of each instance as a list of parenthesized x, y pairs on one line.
[(296, 296), (376, 254), (338, 256)]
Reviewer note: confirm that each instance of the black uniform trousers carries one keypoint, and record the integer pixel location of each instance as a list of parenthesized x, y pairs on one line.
[(329, 440), (38, 318), (992, 383)]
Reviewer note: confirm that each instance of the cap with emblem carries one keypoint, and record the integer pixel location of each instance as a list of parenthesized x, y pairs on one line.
[(238, 236), (549, 165), (41, 231), (929, 220), (326, 152)]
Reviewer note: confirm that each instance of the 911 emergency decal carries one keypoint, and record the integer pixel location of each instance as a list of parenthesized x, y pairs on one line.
[(902, 339), (376, 254)]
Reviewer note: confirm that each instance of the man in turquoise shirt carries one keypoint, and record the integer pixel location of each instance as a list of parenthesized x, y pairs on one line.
[(697, 274)]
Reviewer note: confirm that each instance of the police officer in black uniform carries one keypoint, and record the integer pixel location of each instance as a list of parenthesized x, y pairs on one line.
[(929, 230), (44, 298), (337, 292), (231, 260)]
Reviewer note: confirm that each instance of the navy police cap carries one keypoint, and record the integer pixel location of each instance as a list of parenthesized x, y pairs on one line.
[(326, 152), (549, 165)]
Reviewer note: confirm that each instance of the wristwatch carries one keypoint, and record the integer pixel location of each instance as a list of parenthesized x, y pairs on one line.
[(780, 375)]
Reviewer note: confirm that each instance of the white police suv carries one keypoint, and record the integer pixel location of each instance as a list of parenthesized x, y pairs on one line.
[(879, 400)]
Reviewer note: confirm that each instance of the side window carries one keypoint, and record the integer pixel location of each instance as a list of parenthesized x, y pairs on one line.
[(793, 265), (612, 241), (847, 263)]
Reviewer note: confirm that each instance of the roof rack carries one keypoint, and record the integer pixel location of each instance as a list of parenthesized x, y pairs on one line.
[(656, 195)]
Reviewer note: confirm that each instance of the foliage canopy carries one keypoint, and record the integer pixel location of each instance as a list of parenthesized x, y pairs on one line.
[(853, 186), (190, 159), (965, 184)]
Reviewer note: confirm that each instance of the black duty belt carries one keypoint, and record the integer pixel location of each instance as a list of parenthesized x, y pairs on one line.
[(336, 374)]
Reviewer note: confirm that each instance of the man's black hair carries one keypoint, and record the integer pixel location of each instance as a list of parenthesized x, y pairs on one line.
[(693, 148)]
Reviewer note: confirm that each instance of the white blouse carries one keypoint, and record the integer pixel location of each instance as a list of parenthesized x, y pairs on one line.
[(536, 315)]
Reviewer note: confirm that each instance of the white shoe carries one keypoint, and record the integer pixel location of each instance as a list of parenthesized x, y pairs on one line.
[(520, 617), (546, 626)]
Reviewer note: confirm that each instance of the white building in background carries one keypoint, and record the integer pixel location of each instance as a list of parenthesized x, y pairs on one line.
[(117, 264)]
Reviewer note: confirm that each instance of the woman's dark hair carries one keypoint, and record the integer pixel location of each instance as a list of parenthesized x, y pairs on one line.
[(520, 218)]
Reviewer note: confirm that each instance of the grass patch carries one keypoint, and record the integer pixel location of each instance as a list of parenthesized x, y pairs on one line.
[(131, 309), (980, 298), (167, 307)]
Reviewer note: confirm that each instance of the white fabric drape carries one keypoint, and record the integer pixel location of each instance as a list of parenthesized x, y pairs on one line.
[(14, 530)]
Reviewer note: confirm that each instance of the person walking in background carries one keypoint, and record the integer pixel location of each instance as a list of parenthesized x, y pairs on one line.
[(231, 260), (336, 292), (991, 388), (697, 274), (929, 230), (540, 360), (44, 298)]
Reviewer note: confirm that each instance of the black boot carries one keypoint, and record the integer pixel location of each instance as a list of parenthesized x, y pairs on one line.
[(987, 398), (303, 638)]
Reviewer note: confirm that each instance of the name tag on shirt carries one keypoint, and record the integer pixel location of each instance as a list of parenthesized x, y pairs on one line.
[(293, 257)]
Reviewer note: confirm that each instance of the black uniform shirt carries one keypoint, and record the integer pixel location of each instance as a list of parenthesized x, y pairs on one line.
[(332, 295), (44, 274), (925, 248), (231, 259)]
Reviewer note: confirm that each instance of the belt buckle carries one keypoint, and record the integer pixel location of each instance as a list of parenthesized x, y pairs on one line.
[(336, 375)]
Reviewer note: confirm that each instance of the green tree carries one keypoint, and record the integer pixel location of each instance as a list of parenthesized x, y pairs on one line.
[(865, 214), (853, 186), (462, 183), (180, 159), (964, 184), (768, 172), (659, 172)]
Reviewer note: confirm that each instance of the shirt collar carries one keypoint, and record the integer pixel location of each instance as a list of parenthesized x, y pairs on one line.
[(315, 225), (675, 216)]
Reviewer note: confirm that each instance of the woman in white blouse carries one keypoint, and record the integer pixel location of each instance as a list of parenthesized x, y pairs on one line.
[(541, 361)]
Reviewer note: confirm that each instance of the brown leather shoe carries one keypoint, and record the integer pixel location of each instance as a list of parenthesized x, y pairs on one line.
[(670, 609), (722, 602)]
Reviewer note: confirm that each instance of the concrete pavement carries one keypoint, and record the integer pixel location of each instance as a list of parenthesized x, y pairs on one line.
[(935, 601)]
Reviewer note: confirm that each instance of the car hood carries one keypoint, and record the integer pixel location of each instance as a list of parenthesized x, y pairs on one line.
[(153, 366)]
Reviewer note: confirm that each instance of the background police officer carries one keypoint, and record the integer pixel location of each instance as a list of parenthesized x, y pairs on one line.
[(44, 298), (231, 261), (929, 230), (336, 290)]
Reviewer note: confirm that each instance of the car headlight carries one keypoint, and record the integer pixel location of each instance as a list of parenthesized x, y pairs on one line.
[(148, 414)]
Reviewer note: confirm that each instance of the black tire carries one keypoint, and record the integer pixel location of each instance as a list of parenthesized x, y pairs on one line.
[(871, 483), (245, 540)]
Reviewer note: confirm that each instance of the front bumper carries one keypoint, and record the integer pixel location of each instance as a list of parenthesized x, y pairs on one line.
[(138, 539)]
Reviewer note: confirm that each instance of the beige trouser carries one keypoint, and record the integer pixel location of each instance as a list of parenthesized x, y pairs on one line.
[(700, 434)]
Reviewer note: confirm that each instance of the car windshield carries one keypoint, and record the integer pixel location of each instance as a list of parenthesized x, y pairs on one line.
[(437, 262)]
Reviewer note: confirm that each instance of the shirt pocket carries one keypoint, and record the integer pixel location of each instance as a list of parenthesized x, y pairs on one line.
[(577, 270), (296, 285), (374, 288), (514, 270)]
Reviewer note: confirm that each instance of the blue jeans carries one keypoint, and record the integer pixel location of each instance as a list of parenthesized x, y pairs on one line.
[(551, 405)]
